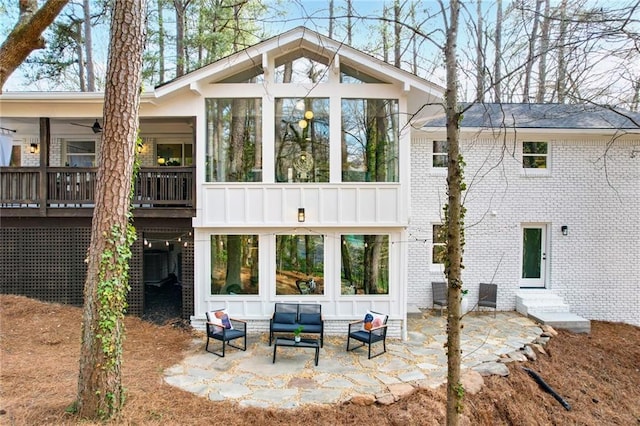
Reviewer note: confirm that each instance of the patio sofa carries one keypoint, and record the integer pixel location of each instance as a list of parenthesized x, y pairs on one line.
[(289, 316)]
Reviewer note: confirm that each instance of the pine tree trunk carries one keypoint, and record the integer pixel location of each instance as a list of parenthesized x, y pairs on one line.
[(100, 393)]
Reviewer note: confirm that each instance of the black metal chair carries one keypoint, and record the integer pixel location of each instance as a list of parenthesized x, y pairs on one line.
[(368, 336), (439, 290), (225, 329), (488, 297)]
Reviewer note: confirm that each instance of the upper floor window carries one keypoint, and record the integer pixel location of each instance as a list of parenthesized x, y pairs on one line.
[(174, 154), (535, 155), (365, 264), (300, 70), (440, 153), (80, 153), (302, 140), (233, 151), (370, 140)]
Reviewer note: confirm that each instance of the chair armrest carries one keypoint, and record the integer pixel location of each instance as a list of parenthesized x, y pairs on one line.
[(356, 322), (379, 327)]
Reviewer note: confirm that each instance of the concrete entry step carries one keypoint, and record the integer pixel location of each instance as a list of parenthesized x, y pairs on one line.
[(564, 320), (528, 301)]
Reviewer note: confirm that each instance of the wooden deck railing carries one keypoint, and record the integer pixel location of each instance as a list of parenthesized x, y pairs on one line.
[(155, 187)]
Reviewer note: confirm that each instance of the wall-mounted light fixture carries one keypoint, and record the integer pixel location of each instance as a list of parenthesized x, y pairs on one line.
[(565, 230), (301, 216), (33, 148), (140, 148)]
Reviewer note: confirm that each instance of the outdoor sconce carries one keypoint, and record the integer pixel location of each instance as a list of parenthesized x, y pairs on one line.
[(33, 148), (140, 148), (565, 230), (301, 216)]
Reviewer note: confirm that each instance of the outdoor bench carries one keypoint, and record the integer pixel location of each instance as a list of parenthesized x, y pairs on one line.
[(289, 316)]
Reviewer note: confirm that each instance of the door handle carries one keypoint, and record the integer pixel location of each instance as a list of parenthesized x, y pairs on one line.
[(544, 256)]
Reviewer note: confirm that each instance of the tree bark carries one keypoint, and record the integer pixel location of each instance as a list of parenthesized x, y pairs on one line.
[(542, 56), (497, 65), (531, 53), (397, 33), (100, 393), (454, 214), (26, 36), (480, 52), (88, 46), (561, 84), (160, 4)]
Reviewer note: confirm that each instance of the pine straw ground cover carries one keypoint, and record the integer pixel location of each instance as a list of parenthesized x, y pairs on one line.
[(598, 374)]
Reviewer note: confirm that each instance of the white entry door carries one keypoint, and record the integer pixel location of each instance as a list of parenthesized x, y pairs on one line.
[(534, 256)]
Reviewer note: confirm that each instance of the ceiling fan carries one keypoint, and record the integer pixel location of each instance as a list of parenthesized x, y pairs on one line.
[(97, 128)]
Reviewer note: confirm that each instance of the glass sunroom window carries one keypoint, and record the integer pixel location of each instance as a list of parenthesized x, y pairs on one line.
[(365, 264), (234, 264), (302, 140), (234, 140), (299, 264), (370, 140)]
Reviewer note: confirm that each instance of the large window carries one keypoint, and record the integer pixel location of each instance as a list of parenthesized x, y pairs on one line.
[(234, 140), (234, 264), (369, 140), (299, 264), (365, 264), (302, 140), (534, 155), (440, 153), (80, 153)]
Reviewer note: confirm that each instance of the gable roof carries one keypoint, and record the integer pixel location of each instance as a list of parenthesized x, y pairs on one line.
[(542, 116), (302, 41)]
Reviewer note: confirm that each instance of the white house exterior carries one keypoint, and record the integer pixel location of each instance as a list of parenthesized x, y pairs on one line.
[(591, 186), (590, 183)]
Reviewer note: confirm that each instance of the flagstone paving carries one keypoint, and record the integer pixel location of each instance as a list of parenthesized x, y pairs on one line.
[(251, 379)]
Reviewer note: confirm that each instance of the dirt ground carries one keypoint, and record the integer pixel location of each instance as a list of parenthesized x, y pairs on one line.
[(597, 374)]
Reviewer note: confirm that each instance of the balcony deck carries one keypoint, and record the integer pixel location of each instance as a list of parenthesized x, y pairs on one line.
[(70, 191)]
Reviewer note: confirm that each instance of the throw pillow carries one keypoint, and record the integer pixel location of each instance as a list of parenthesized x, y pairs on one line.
[(284, 318), (220, 319), (372, 320), (311, 319)]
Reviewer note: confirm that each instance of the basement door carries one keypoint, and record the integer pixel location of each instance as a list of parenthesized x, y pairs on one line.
[(534, 256)]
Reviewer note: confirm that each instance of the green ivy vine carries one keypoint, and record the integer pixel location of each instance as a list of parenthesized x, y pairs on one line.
[(444, 229), (113, 287)]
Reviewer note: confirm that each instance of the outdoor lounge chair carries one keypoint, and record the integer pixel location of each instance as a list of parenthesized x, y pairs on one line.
[(439, 295), (488, 297), (371, 329), (225, 329)]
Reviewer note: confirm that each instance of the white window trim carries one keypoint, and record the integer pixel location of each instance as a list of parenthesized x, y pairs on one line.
[(533, 172), (435, 267)]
